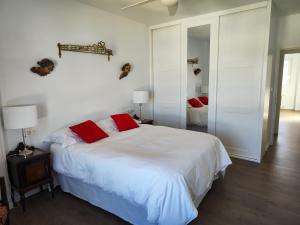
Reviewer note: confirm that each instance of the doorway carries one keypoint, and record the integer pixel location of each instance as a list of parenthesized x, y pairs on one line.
[(198, 57), (288, 100)]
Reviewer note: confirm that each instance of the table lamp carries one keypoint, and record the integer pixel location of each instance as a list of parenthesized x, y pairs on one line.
[(204, 89), (20, 117), (140, 97)]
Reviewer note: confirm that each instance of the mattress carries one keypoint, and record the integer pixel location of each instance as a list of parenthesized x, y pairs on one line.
[(164, 171), (132, 213), (197, 116)]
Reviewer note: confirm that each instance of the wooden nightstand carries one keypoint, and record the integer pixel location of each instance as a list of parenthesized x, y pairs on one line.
[(147, 121), (26, 174)]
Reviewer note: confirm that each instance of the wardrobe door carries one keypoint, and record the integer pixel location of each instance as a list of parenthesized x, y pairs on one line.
[(240, 72), (166, 58)]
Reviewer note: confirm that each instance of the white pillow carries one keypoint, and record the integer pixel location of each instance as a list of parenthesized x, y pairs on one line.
[(108, 125), (64, 136)]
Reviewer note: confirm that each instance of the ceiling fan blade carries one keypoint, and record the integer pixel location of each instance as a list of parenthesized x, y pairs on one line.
[(137, 4), (173, 9)]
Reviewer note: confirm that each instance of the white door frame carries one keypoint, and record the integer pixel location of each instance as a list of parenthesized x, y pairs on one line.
[(277, 102)]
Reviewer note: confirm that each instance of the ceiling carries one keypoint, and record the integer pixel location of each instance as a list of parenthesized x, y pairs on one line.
[(155, 13), (201, 33)]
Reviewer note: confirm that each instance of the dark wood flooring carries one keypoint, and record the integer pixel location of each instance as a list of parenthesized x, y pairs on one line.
[(251, 194)]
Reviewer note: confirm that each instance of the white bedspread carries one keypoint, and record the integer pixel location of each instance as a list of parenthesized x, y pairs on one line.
[(166, 170), (197, 116)]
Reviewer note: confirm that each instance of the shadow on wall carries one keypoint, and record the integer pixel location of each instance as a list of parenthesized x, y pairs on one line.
[(3, 147), (3, 143), (39, 100)]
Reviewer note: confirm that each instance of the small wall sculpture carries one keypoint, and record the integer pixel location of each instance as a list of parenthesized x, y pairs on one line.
[(193, 61), (126, 68), (46, 66), (197, 71)]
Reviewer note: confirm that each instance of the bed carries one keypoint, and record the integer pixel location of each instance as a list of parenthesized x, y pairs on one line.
[(197, 116), (148, 175)]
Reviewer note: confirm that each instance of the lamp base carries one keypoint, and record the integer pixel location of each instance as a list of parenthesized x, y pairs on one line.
[(26, 152)]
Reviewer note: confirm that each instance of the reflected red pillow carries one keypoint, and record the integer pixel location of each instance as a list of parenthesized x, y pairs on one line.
[(89, 131), (203, 99), (195, 103), (124, 122)]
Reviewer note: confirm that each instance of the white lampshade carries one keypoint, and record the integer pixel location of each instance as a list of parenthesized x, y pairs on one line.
[(204, 89), (20, 117), (140, 97), (169, 2)]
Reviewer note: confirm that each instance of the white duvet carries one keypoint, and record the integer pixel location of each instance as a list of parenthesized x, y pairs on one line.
[(165, 170)]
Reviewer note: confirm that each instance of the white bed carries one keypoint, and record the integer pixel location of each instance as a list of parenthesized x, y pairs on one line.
[(149, 175), (197, 116)]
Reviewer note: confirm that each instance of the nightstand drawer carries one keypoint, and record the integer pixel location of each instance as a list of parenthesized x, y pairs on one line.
[(35, 171), (25, 172)]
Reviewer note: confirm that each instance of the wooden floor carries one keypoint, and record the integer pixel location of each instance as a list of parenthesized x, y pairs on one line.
[(251, 194)]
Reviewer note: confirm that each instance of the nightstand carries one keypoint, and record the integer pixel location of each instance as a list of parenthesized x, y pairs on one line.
[(26, 174), (147, 121)]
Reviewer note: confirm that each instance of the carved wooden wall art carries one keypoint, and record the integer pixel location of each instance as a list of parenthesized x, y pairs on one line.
[(45, 67), (193, 61), (98, 48), (197, 71), (126, 68)]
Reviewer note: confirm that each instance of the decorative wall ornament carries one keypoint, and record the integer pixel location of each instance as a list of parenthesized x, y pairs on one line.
[(193, 61), (98, 48), (45, 67), (126, 68), (197, 71)]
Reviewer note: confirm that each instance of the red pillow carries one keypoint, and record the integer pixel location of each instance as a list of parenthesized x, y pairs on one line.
[(124, 122), (195, 103), (88, 131), (203, 99)]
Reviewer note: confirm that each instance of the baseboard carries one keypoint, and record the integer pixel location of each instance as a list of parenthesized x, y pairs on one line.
[(244, 158), (234, 152)]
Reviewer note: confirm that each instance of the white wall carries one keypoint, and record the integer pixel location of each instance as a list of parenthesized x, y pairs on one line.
[(3, 168), (297, 94), (82, 86), (289, 32), (197, 48), (2, 153)]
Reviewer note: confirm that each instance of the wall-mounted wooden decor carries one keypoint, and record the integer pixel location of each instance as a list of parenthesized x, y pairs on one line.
[(45, 67), (193, 61), (126, 68), (197, 71), (99, 48)]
